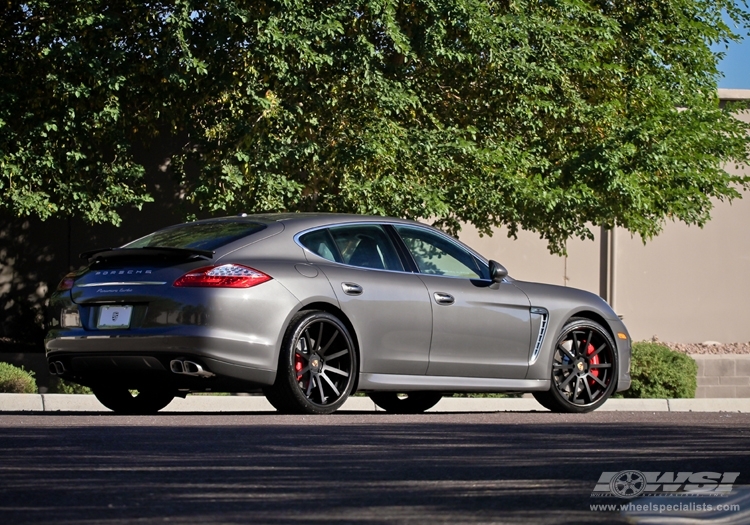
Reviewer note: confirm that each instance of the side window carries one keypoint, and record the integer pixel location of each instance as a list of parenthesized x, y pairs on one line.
[(320, 243), (436, 255), (366, 246)]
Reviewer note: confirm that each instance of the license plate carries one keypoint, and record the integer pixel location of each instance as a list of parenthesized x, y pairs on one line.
[(114, 317)]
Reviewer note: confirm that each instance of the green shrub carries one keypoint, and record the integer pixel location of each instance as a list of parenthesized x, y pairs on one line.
[(14, 380), (658, 372), (67, 387)]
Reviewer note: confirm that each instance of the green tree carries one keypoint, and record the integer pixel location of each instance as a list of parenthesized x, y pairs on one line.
[(545, 115)]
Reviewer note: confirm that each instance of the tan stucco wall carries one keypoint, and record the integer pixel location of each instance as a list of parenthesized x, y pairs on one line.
[(689, 284)]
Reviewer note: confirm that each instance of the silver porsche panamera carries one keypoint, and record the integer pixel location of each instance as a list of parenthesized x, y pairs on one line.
[(310, 308)]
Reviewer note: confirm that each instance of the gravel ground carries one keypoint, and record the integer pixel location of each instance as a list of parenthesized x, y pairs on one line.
[(707, 347)]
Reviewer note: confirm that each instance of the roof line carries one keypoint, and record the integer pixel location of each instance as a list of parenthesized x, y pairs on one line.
[(734, 94)]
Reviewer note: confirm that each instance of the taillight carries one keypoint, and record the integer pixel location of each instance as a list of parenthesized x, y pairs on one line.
[(67, 282), (224, 276)]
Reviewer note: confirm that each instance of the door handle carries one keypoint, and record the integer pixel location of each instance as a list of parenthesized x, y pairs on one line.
[(443, 298), (351, 288)]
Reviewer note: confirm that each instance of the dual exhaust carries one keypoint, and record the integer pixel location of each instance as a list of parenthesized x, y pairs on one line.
[(178, 366), (188, 368)]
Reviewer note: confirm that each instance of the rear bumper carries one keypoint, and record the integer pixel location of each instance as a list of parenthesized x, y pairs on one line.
[(95, 359)]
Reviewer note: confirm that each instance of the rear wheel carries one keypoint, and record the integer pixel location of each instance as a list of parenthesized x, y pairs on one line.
[(584, 368), (406, 403), (317, 366), (122, 400)]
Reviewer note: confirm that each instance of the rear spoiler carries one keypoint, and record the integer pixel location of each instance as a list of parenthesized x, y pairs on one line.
[(177, 253)]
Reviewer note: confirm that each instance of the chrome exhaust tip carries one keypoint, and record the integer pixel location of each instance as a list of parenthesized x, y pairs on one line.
[(188, 368), (194, 369), (52, 369), (59, 367)]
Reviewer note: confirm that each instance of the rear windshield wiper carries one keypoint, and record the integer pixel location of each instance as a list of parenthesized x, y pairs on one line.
[(109, 253)]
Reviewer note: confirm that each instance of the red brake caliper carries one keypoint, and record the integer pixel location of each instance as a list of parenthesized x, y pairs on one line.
[(593, 361), (298, 365)]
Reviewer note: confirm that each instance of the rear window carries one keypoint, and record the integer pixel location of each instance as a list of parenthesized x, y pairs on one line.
[(198, 235)]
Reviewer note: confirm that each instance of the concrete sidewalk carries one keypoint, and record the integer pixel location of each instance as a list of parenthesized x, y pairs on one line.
[(88, 403)]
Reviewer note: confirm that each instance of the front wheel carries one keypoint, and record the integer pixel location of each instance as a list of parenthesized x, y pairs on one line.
[(584, 368), (407, 403), (122, 400), (317, 366)]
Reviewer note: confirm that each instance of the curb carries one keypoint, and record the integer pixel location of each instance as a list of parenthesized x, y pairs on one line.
[(212, 404)]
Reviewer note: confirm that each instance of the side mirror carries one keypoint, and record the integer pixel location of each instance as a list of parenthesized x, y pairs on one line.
[(497, 271)]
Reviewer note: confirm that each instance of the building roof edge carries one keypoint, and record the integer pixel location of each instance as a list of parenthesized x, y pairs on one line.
[(734, 94)]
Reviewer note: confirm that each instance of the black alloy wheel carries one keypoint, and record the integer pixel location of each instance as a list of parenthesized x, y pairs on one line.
[(143, 401), (584, 368), (317, 366), (405, 403)]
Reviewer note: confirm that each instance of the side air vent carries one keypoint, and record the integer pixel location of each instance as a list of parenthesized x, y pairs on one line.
[(541, 316)]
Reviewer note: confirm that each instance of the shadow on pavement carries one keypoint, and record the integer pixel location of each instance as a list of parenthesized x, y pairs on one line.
[(371, 469)]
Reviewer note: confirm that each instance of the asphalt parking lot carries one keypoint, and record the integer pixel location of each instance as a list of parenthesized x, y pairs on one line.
[(373, 468)]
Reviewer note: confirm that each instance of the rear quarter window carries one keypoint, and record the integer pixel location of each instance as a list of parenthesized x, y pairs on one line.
[(320, 243)]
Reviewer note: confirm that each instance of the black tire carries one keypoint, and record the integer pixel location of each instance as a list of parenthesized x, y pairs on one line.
[(317, 366), (406, 403), (122, 400), (584, 368)]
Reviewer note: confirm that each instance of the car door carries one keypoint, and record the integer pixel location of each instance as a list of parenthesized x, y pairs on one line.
[(388, 306), (479, 328)]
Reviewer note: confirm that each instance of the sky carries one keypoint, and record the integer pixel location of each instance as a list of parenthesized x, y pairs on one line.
[(736, 63), (736, 66)]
